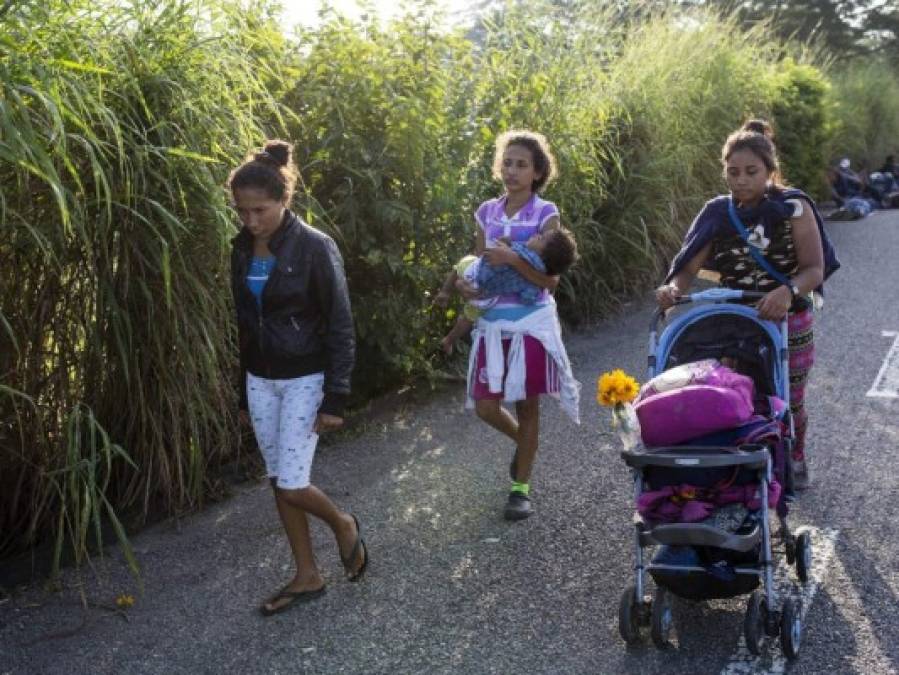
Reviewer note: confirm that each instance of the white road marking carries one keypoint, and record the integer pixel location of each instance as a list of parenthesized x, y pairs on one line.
[(866, 655), (772, 661), (886, 384)]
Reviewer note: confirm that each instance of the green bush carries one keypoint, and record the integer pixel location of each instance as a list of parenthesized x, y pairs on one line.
[(681, 83), (799, 114), (383, 139)]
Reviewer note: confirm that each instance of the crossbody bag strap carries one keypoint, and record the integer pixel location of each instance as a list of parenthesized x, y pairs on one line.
[(753, 251)]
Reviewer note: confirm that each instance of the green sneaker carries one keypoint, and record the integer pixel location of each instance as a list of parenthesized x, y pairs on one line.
[(518, 507)]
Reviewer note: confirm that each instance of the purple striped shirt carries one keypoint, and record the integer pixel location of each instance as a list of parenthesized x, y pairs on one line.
[(530, 220)]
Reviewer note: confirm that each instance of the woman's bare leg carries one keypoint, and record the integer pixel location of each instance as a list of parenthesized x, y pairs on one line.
[(293, 507), (528, 412), (497, 417), (524, 432), (296, 525)]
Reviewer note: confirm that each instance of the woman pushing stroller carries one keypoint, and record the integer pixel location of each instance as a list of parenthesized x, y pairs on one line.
[(781, 252)]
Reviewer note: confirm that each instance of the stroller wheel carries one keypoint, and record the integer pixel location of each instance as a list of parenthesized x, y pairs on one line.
[(629, 615), (754, 622), (790, 628), (803, 556), (661, 619)]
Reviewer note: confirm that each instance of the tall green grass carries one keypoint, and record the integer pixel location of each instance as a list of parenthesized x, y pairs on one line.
[(679, 85), (118, 126), (397, 128)]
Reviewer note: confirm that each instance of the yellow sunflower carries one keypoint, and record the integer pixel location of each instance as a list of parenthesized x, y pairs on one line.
[(616, 387)]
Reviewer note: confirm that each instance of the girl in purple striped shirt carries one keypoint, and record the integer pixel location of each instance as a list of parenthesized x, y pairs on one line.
[(517, 352)]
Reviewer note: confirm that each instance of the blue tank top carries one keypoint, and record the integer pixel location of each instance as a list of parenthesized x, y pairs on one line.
[(258, 274)]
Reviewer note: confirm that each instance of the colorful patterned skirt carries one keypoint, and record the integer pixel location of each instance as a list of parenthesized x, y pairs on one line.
[(802, 358)]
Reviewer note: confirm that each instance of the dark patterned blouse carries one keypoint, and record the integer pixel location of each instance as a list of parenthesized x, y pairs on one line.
[(739, 270)]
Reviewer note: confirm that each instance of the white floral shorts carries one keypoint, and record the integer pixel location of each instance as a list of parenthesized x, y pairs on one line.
[(283, 414)]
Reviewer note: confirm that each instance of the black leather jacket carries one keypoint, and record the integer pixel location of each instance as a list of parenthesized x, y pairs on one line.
[(305, 325)]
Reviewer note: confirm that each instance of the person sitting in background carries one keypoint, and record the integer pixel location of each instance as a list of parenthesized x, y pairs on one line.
[(845, 183), (883, 185), (850, 193), (883, 189)]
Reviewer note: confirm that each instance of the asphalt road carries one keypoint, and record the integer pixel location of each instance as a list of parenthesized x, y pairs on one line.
[(452, 588)]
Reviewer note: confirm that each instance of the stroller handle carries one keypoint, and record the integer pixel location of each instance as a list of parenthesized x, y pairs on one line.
[(709, 295), (722, 294), (752, 456)]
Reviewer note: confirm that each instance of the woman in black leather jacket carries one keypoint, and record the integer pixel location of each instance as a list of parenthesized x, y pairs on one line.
[(297, 349)]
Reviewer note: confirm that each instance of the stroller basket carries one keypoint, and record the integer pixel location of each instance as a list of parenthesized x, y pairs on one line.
[(698, 534), (685, 459)]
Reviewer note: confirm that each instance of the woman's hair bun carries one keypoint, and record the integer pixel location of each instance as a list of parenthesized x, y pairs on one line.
[(276, 152), (271, 169), (759, 126)]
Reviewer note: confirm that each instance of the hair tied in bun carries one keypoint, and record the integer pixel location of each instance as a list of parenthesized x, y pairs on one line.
[(759, 126), (277, 152), (271, 169)]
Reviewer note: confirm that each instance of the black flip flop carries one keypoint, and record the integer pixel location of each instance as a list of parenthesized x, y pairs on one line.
[(295, 597), (348, 561)]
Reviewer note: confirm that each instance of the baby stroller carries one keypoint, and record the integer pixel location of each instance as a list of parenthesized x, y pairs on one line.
[(721, 563)]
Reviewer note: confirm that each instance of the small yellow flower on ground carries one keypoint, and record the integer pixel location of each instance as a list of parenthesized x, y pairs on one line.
[(124, 600)]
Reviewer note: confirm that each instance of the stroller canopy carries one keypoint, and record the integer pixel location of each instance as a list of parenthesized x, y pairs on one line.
[(727, 330)]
